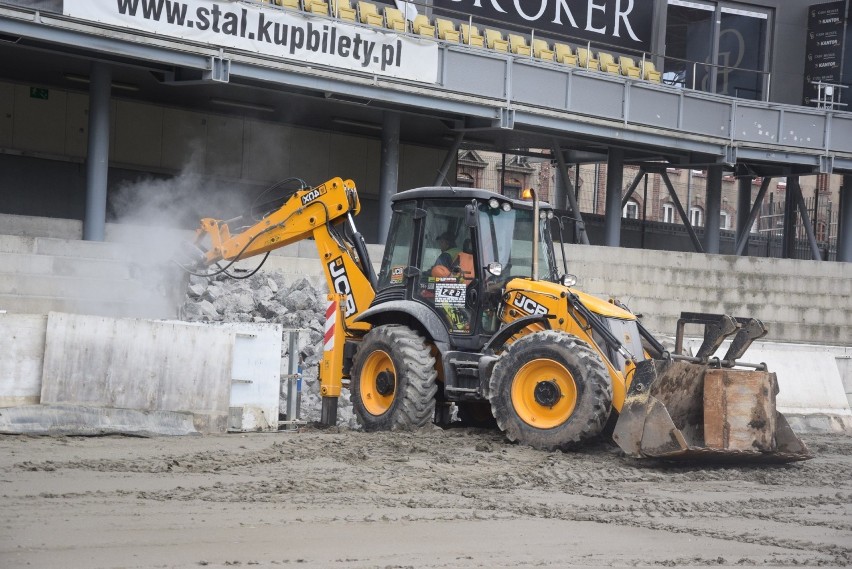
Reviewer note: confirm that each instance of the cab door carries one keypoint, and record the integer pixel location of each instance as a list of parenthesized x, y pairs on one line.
[(448, 280)]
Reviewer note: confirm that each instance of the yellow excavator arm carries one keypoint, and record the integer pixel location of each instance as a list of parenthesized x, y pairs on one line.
[(309, 213)]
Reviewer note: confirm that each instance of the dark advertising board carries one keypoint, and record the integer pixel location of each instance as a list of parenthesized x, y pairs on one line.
[(624, 24), (824, 47)]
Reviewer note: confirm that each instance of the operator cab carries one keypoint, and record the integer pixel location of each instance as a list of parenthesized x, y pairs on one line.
[(453, 250)]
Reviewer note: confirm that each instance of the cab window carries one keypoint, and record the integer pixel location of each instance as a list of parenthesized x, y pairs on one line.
[(398, 248)]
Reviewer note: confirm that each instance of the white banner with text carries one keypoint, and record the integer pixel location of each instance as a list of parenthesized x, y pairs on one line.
[(270, 31)]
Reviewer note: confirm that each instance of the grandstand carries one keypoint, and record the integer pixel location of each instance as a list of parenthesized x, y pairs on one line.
[(389, 93)]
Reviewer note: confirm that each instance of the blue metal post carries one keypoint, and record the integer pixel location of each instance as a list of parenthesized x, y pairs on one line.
[(744, 209), (712, 221), (389, 176), (614, 181), (97, 158)]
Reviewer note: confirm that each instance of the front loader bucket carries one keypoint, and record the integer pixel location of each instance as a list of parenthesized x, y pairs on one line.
[(678, 410)]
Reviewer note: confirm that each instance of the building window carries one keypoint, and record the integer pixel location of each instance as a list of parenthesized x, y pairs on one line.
[(668, 213), (696, 216), (512, 188), (631, 210), (717, 47), (724, 220), (465, 180)]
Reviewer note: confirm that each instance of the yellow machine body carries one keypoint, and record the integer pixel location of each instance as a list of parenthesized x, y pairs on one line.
[(549, 364)]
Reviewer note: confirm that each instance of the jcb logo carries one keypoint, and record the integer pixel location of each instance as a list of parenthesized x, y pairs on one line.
[(528, 305), (340, 283), (312, 195)]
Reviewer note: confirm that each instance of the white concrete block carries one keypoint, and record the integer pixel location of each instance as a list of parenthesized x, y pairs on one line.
[(41, 226), (21, 358), (15, 244), (79, 420), (255, 374), (139, 364)]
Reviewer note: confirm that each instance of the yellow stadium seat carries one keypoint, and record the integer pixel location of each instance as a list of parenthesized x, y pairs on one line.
[(607, 62), (446, 30), (649, 72), (288, 4), (316, 7), (369, 14), (518, 45), (472, 36), (422, 27), (542, 50), (494, 40), (564, 54), (585, 59), (394, 19), (628, 67), (344, 10)]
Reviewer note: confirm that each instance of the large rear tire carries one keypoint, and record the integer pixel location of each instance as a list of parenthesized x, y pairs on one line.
[(393, 380), (550, 390)]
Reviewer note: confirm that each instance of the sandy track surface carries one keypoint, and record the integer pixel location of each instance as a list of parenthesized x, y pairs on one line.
[(435, 498)]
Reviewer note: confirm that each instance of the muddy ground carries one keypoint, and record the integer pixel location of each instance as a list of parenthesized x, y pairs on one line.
[(437, 498)]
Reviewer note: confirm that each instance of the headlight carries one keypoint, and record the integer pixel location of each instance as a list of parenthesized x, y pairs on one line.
[(569, 280)]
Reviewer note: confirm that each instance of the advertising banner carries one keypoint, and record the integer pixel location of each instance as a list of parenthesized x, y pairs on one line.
[(270, 31), (619, 23), (824, 47)]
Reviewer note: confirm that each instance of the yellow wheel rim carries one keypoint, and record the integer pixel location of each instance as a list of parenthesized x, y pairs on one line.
[(544, 393), (377, 375)]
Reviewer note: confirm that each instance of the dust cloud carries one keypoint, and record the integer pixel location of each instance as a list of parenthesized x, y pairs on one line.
[(152, 219)]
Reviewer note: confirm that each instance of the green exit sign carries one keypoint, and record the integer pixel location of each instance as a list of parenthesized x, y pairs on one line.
[(39, 93)]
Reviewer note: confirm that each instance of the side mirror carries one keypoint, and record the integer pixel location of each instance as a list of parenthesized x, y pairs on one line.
[(495, 269), (568, 280), (471, 214)]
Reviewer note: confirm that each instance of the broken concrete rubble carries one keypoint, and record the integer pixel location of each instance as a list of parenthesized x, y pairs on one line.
[(269, 298)]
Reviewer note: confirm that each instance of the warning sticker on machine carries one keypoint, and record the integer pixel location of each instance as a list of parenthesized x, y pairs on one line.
[(453, 294)]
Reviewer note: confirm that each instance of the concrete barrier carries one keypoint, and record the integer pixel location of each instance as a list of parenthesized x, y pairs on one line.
[(226, 376), (79, 420), (22, 358)]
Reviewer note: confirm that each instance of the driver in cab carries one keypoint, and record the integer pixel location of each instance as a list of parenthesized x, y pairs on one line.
[(443, 266)]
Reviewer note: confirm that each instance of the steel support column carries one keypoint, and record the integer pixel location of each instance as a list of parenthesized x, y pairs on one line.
[(844, 237), (788, 240), (742, 239), (452, 154), (97, 157), (633, 185), (743, 209), (696, 243), (389, 171), (570, 193), (614, 181), (806, 219), (712, 220)]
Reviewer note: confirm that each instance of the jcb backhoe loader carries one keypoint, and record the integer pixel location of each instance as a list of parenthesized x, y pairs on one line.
[(502, 335)]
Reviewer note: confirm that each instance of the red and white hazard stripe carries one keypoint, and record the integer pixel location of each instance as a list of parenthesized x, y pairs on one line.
[(330, 323)]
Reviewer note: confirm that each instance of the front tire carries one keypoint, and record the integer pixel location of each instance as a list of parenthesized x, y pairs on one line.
[(393, 380), (550, 390)]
